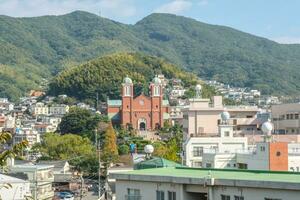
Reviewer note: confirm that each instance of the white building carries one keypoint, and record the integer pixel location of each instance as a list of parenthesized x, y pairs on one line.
[(225, 142), (26, 133), (39, 109), (58, 109), (18, 190), (206, 184), (40, 177)]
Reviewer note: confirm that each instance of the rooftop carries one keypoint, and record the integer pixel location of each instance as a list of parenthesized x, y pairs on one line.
[(226, 177)]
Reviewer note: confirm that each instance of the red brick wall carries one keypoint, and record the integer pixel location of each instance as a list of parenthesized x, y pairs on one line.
[(278, 156)]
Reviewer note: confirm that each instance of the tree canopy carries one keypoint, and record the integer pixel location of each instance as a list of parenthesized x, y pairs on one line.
[(53, 43), (79, 121)]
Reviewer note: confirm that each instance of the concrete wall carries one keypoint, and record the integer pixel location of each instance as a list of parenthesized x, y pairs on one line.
[(148, 189), (255, 193)]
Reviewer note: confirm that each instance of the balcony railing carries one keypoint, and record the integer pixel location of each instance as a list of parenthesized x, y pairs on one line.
[(133, 197)]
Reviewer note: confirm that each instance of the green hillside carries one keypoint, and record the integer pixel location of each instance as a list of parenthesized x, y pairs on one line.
[(32, 48), (105, 75)]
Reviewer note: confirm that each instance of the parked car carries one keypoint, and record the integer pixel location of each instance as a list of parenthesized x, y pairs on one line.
[(65, 196)]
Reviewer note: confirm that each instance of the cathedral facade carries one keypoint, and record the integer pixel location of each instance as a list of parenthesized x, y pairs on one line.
[(144, 113)]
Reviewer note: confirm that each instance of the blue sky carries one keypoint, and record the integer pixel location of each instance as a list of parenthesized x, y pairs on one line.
[(278, 20)]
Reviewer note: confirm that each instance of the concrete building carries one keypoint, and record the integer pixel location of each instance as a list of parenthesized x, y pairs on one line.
[(224, 142), (40, 177), (201, 118), (39, 109), (26, 133), (58, 109), (19, 189), (206, 184), (286, 118), (142, 113)]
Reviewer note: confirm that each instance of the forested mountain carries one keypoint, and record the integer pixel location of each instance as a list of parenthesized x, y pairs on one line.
[(105, 75), (31, 48)]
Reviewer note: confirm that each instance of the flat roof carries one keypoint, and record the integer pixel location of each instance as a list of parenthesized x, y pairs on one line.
[(229, 177)]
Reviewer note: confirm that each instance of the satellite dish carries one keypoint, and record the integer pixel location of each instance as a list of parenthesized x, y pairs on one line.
[(149, 149)]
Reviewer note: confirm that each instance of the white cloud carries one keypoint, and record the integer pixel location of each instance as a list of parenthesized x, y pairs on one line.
[(29, 8), (287, 40), (174, 7)]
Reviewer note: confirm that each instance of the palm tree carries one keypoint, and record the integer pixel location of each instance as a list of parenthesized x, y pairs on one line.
[(13, 151)]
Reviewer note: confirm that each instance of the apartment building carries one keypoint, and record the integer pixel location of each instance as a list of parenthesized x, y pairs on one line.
[(286, 118), (202, 117), (183, 183), (18, 190), (224, 142), (40, 177)]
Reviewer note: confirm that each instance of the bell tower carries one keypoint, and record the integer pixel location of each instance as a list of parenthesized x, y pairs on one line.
[(156, 92), (127, 99)]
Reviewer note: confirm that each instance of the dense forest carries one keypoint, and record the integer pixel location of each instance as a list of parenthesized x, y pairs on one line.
[(40, 47), (105, 75)]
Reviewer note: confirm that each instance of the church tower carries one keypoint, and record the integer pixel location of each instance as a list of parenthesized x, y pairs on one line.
[(156, 92), (127, 99)]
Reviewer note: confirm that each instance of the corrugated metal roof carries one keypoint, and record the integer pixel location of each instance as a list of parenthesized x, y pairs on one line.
[(114, 102)]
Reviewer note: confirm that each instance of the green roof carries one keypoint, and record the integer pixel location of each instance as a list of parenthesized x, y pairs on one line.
[(202, 173), (156, 162), (114, 102), (165, 102)]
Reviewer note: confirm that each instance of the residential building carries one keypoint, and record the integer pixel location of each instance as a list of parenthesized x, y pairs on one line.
[(142, 113), (286, 118), (40, 177), (224, 142), (39, 109), (58, 109), (18, 189), (26, 133), (182, 183), (201, 118)]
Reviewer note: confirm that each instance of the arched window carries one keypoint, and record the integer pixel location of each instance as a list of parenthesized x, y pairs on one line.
[(156, 91), (127, 91)]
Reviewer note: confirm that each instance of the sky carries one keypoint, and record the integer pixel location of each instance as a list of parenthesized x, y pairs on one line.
[(278, 20)]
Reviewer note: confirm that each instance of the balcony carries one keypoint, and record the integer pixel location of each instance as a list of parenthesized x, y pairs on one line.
[(133, 197)]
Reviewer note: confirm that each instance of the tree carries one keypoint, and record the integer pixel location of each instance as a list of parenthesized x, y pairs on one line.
[(109, 147), (79, 121), (78, 150), (62, 147), (9, 153), (12, 152)]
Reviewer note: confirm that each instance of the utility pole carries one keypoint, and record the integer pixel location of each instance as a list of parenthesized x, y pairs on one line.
[(97, 101), (99, 162), (81, 186)]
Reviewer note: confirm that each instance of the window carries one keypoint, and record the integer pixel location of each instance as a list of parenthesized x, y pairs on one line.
[(226, 133), (287, 116), (197, 151), (208, 165), (225, 197), (133, 194), (278, 153), (262, 148), (160, 195), (272, 199), (197, 164), (238, 198), (171, 195), (156, 91), (296, 116)]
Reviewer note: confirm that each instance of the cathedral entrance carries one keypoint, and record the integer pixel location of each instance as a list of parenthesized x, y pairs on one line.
[(142, 124)]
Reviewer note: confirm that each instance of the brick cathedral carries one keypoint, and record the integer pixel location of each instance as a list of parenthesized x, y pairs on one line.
[(144, 113)]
